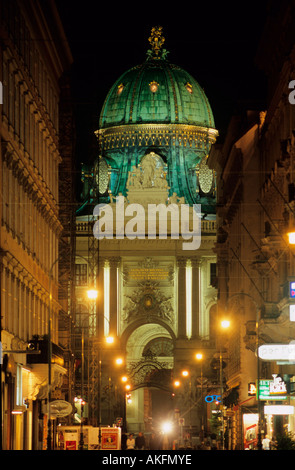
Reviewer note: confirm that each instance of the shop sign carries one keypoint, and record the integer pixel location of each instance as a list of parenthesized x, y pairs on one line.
[(277, 352), (272, 389), (60, 408), (278, 410), (292, 289), (292, 312), (211, 398), (252, 389)]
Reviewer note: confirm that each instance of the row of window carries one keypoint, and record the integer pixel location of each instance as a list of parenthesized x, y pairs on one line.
[(24, 313), (28, 51), (23, 220), (28, 129)]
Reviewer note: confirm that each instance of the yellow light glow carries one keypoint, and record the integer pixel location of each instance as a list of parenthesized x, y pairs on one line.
[(109, 339), (176, 383), (92, 294), (119, 361), (167, 427), (225, 324), (199, 356), (124, 378), (291, 237), (185, 373)]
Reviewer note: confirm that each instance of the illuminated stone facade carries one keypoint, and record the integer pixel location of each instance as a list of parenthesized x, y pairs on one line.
[(255, 195), (30, 225), (155, 298)]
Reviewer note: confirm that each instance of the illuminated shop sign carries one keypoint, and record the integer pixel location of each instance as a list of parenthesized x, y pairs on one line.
[(292, 312), (292, 289), (211, 398), (269, 389), (278, 410), (277, 352), (252, 389)]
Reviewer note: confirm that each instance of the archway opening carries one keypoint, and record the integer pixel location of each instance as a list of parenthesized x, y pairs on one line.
[(150, 363)]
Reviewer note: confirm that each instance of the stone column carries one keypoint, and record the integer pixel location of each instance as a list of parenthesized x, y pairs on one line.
[(114, 263), (195, 297), (100, 297), (181, 307)]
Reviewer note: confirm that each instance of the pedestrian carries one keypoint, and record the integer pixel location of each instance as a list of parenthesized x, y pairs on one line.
[(124, 441), (140, 441), (130, 442), (266, 443), (153, 442)]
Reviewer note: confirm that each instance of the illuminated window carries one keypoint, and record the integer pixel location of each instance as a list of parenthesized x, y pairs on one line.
[(19, 385), (154, 86), (189, 87), (81, 274), (120, 88)]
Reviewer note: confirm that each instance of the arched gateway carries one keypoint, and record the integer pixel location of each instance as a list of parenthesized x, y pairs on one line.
[(149, 244)]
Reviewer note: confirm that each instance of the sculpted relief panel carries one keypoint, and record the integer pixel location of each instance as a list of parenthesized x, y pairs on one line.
[(148, 290)]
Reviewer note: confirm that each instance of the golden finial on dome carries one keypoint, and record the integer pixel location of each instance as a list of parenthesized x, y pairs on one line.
[(156, 39)]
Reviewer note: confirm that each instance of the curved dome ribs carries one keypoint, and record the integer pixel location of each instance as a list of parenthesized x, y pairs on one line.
[(157, 107)]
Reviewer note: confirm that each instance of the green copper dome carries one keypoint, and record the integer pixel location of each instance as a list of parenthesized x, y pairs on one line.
[(156, 92), (156, 112)]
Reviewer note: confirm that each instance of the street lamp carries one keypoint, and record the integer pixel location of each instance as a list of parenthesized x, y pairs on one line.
[(108, 340), (92, 294), (199, 357), (224, 324), (49, 355), (291, 238), (259, 408)]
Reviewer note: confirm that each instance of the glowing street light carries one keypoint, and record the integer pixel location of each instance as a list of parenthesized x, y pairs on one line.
[(92, 294), (225, 324), (167, 427), (291, 238)]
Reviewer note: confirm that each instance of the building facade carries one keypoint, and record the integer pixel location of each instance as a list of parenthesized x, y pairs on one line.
[(156, 295), (34, 56), (255, 260)]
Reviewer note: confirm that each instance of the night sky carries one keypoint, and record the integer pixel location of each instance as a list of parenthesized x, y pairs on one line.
[(214, 41)]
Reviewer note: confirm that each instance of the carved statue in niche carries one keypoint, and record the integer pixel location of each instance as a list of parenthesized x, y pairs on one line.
[(148, 165), (160, 179), (134, 178)]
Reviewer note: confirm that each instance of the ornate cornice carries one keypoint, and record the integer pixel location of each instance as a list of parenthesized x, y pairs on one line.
[(162, 134)]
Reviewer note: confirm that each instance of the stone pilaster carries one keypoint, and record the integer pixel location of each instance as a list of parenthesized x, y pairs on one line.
[(114, 264), (195, 297), (100, 298), (181, 307)]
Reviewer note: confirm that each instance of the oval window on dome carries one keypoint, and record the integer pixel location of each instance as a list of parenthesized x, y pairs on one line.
[(120, 89), (102, 175), (154, 86), (189, 87), (206, 177)]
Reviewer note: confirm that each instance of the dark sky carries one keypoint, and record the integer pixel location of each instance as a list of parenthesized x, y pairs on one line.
[(214, 41)]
